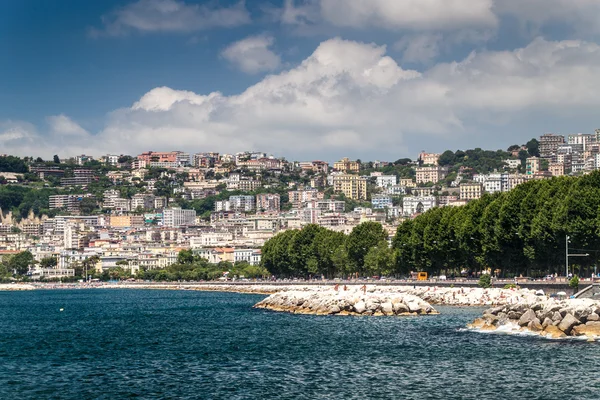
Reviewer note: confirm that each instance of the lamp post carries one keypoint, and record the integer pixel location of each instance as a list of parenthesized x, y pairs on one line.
[(566, 256)]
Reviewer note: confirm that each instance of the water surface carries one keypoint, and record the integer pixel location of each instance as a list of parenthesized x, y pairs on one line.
[(113, 344)]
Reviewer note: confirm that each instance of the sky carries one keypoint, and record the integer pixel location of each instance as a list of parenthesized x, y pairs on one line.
[(301, 79)]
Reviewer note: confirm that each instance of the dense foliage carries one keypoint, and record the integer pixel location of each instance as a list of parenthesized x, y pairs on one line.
[(521, 232), (192, 268), (22, 200), (13, 164), (316, 251)]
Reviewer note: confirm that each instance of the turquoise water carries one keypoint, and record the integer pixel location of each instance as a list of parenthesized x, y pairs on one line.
[(113, 344)]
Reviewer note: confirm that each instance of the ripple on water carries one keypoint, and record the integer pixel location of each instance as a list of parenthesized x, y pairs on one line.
[(184, 344)]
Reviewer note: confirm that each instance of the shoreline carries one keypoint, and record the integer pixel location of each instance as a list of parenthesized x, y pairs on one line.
[(435, 295)]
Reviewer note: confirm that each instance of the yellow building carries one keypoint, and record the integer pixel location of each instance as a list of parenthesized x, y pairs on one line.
[(408, 182), (532, 165), (470, 191), (345, 165), (352, 186), (126, 221)]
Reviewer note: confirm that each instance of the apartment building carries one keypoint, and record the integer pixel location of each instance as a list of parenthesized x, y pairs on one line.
[(429, 158), (431, 174), (345, 165), (353, 187), (532, 165), (381, 201), (556, 169), (470, 191), (548, 144), (241, 203), (268, 202), (126, 221), (384, 181), (176, 157), (68, 201), (407, 182), (175, 217)]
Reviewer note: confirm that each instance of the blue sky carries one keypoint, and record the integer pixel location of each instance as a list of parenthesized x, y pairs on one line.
[(304, 79)]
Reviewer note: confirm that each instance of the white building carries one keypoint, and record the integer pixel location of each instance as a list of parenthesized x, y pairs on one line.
[(175, 217), (412, 205), (241, 203), (381, 201), (385, 181), (512, 163), (251, 256)]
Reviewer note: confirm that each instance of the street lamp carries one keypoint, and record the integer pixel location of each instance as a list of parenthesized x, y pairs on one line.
[(567, 255)]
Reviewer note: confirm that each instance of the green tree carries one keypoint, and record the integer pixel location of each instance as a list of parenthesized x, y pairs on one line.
[(20, 262), (380, 259), (48, 262), (362, 238), (87, 205), (56, 159), (533, 148), (185, 257)]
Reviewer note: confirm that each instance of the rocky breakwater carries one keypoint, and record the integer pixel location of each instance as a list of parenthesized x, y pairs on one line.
[(549, 318), (328, 301), (16, 287), (468, 296)]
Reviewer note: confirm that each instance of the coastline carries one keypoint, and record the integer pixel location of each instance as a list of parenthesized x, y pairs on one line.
[(435, 295)]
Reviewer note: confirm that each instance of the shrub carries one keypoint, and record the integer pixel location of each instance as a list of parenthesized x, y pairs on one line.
[(485, 281), (574, 283), (510, 286)]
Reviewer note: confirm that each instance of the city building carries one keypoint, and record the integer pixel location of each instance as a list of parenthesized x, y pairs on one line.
[(126, 221), (548, 144), (384, 181), (556, 169), (175, 217), (353, 187), (380, 201), (532, 165), (241, 203), (412, 205), (470, 191), (429, 158), (345, 165), (432, 174), (268, 202)]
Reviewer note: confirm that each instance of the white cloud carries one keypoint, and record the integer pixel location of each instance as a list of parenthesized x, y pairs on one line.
[(420, 48), (392, 14), (64, 126), (253, 54), (351, 98), (170, 16), (581, 16)]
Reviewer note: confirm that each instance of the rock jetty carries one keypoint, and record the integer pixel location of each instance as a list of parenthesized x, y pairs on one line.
[(15, 287), (328, 301), (546, 317)]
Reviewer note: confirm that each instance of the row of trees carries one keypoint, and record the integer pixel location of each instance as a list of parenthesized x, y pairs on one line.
[(194, 268), (315, 250), (521, 232), (188, 267)]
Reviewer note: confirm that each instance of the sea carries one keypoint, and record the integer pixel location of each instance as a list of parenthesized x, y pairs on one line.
[(155, 344)]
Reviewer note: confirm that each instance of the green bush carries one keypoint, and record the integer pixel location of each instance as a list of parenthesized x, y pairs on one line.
[(574, 283), (510, 286), (485, 281)]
